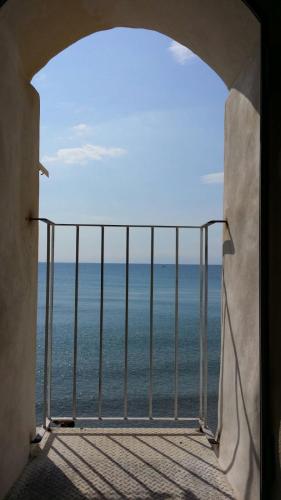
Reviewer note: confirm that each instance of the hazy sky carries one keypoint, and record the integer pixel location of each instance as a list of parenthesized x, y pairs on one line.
[(131, 132)]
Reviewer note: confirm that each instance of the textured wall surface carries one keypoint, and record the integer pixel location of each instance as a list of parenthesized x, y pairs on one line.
[(18, 250), (224, 34), (239, 398)]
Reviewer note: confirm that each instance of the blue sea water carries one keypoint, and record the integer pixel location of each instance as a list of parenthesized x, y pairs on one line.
[(138, 344)]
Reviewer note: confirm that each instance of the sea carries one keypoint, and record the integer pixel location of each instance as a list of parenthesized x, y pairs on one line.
[(113, 372)]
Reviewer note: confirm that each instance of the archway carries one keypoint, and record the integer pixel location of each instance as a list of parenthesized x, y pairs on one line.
[(32, 33)]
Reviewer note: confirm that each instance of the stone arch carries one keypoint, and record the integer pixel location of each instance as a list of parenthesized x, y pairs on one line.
[(226, 35), (223, 33)]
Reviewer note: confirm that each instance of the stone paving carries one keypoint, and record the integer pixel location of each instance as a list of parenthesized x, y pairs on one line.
[(138, 464)]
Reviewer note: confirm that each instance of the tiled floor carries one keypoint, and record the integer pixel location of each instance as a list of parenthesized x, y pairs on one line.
[(123, 463)]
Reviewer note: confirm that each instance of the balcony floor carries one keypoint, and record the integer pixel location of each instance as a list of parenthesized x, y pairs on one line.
[(122, 463)]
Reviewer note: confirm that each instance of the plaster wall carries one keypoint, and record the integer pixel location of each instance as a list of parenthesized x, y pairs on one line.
[(224, 34), (18, 250), (239, 406)]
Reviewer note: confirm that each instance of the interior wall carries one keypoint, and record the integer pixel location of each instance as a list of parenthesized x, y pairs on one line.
[(18, 271), (32, 32), (239, 406), (223, 33)]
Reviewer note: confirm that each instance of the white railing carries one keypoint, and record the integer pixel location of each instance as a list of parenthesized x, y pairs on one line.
[(202, 417)]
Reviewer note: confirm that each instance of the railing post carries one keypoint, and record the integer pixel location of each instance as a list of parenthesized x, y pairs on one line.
[(75, 331), (205, 329), (101, 325), (48, 323), (204, 253), (151, 322), (51, 311), (126, 324), (176, 324), (201, 313)]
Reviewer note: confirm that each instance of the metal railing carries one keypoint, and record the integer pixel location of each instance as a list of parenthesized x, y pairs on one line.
[(202, 417)]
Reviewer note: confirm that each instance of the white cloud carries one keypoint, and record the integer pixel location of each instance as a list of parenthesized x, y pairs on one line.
[(82, 129), (181, 53), (83, 154), (215, 178)]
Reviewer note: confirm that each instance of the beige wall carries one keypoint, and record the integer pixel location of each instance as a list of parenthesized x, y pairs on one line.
[(224, 33), (18, 270), (239, 410)]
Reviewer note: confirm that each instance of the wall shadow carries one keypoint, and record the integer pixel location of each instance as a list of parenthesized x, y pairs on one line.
[(253, 461)]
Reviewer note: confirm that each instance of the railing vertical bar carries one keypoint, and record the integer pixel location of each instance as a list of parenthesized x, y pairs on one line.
[(126, 324), (151, 321), (101, 325), (75, 332), (51, 315), (201, 327), (47, 317), (176, 324), (205, 403)]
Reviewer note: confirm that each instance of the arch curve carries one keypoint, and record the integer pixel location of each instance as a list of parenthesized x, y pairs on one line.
[(224, 33)]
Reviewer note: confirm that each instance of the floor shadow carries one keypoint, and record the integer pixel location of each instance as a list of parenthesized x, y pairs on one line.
[(114, 462), (79, 465), (184, 468), (46, 481), (197, 457)]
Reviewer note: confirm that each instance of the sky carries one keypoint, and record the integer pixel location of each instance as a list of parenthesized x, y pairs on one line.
[(131, 132)]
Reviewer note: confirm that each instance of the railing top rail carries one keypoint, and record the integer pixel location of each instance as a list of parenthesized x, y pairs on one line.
[(166, 226)]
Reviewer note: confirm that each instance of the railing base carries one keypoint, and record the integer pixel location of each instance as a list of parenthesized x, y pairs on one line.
[(40, 431), (64, 422), (70, 422), (208, 433), (47, 424)]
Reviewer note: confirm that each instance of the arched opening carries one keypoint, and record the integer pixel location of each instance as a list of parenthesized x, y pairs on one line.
[(159, 111), (231, 47)]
